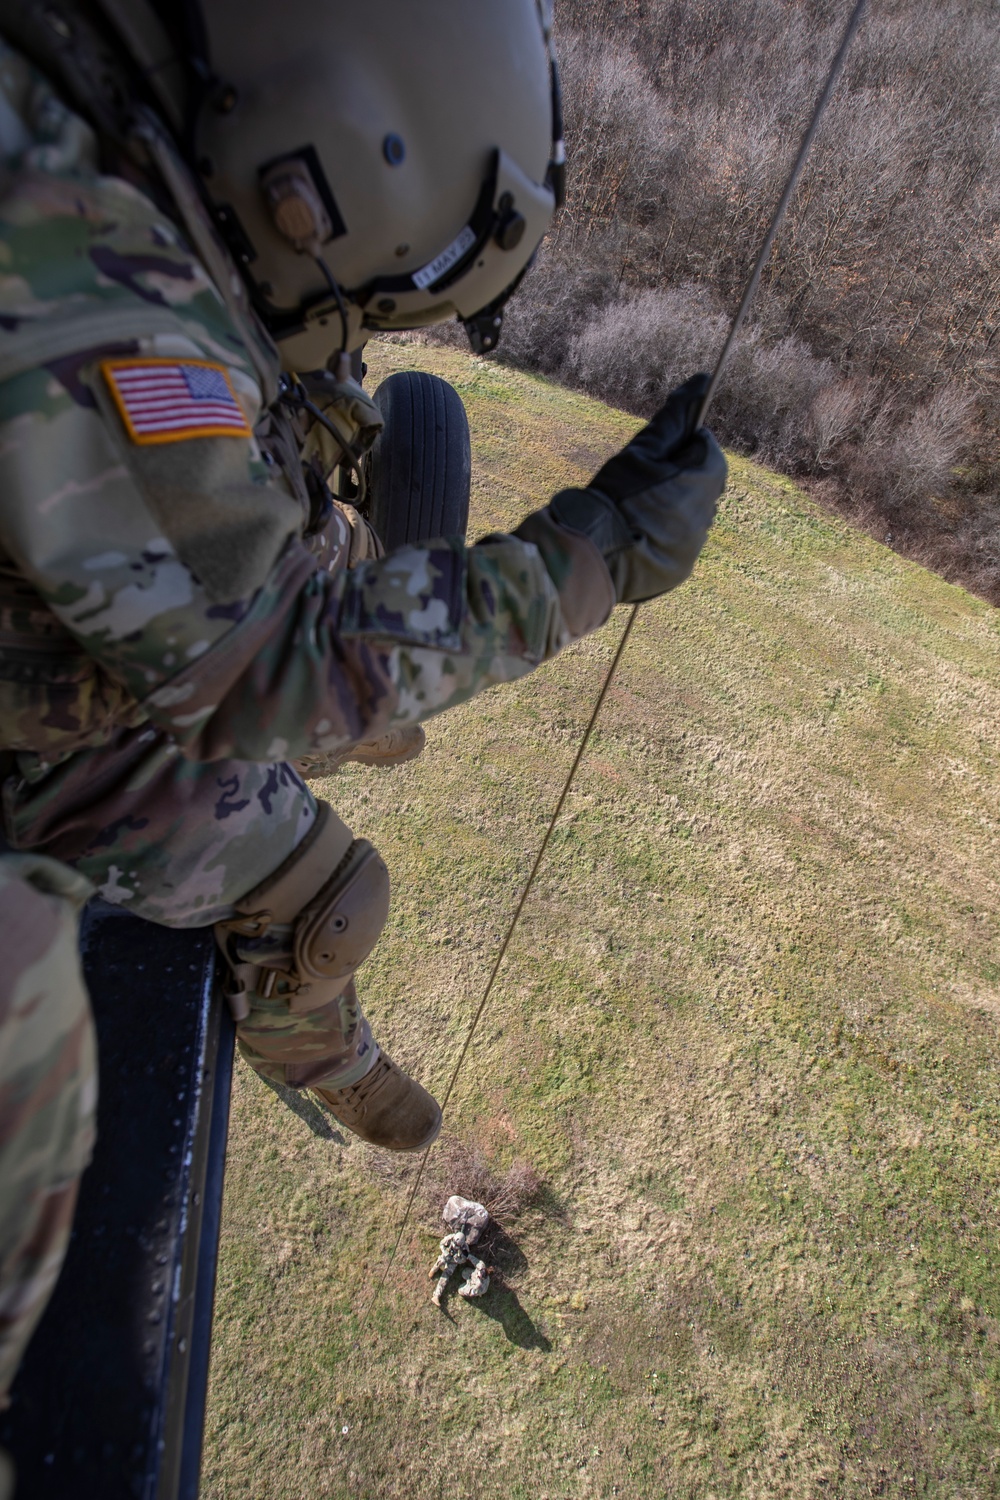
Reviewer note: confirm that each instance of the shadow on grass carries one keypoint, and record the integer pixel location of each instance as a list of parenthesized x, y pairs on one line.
[(308, 1110), (552, 1205), (502, 1305), (501, 1301)]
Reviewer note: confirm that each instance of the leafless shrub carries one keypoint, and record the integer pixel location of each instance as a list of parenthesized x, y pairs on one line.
[(834, 413), (766, 401), (874, 353), (554, 302), (463, 1168), (925, 452), (971, 555), (638, 347), (906, 462), (452, 335)]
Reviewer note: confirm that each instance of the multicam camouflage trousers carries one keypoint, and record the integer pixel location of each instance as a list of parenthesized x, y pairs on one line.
[(48, 1088), (178, 842)]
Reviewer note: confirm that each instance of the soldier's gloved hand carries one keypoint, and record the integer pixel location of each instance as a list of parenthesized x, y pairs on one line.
[(649, 508)]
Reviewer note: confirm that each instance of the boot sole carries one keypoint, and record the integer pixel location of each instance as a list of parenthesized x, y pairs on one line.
[(428, 1140), (331, 766), (372, 758), (421, 1145)]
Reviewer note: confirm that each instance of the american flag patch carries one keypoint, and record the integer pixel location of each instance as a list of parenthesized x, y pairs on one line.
[(167, 400)]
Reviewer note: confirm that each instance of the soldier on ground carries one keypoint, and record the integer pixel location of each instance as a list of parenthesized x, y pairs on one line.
[(466, 1221)]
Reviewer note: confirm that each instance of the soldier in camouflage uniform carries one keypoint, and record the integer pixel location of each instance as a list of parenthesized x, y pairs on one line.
[(466, 1221), (48, 1089), (173, 635), (455, 1250)]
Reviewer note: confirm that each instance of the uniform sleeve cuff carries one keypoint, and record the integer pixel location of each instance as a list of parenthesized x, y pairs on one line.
[(577, 568)]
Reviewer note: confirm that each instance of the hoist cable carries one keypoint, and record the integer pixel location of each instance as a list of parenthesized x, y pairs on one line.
[(505, 945), (836, 67), (750, 290)]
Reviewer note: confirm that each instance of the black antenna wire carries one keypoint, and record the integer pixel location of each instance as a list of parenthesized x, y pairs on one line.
[(338, 295)]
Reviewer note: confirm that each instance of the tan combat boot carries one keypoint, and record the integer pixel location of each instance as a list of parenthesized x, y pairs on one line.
[(386, 1108), (390, 749)]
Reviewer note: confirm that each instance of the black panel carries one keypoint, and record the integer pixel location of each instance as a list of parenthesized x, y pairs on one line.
[(103, 1404)]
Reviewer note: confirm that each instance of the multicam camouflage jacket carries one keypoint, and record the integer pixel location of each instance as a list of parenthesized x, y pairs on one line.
[(157, 574), (48, 1084)]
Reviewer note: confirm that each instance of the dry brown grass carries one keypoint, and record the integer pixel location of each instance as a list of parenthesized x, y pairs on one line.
[(465, 1169)]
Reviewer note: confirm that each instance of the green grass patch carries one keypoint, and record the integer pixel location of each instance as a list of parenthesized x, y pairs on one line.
[(747, 1035)]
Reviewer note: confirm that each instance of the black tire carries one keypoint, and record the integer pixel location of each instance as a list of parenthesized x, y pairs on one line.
[(421, 464)]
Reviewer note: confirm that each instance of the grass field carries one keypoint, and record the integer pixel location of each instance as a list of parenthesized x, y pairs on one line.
[(746, 1037)]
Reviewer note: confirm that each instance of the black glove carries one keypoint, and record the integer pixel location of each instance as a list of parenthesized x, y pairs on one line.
[(649, 508)]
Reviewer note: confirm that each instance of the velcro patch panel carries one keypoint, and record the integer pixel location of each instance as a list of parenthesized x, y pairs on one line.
[(170, 400)]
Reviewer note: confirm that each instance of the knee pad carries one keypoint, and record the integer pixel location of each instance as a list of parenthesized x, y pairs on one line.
[(340, 926), (301, 934)]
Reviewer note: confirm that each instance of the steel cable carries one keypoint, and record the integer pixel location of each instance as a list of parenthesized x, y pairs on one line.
[(506, 944), (836, 67)]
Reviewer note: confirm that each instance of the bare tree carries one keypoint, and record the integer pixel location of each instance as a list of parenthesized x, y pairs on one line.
[(873, 359)]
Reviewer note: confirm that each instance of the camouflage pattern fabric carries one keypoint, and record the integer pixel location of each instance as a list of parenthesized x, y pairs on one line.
[(475, 1278), (168, 582), (173, 840), (353, 415), (327, 1048), (362, 542), (170, 636), (454, 1252), (48, 1088)]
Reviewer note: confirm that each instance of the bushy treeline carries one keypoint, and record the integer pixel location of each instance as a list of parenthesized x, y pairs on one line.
[(871, 360)]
